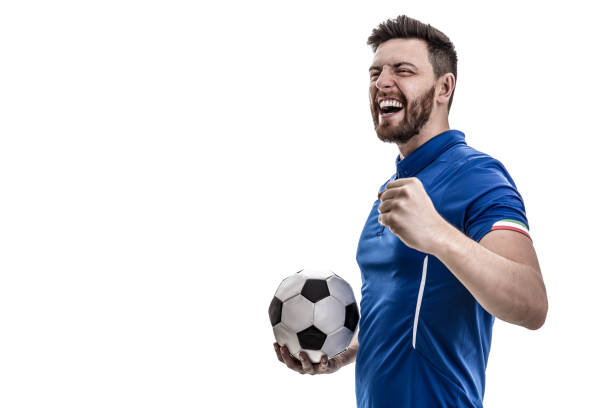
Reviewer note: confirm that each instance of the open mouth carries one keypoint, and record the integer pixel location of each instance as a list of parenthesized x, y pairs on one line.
[(389, 107)]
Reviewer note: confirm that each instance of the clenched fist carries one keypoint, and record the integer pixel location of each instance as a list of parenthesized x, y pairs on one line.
[(405, 207)]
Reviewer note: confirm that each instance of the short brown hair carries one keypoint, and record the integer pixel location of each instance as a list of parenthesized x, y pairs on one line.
[(442, 54)]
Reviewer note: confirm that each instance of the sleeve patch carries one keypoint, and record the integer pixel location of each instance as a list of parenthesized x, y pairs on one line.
[(513, 225)]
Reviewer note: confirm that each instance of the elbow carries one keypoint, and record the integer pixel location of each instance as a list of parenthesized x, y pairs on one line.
[(536, 324), (539, 316), (539, 309)]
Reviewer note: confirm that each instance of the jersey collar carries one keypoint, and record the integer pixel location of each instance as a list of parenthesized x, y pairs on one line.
[(427, 153)]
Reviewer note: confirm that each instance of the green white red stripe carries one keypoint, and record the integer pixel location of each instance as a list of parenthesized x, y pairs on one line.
[(513, 225)]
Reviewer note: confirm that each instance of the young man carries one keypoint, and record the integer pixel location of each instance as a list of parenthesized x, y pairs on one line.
[(446, 247)]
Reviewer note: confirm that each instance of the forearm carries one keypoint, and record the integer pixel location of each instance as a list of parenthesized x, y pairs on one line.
[(506, 289)]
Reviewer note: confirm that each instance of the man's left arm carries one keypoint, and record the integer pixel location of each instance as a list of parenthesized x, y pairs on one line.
[(501, 272)]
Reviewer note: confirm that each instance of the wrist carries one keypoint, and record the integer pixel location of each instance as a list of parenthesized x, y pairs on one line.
[(348, 356), (443, 239)]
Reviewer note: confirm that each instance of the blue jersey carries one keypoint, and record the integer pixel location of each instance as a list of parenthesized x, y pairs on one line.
[(423, 339)]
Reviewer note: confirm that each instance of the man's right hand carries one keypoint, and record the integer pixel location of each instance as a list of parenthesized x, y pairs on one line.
[(304, 365)]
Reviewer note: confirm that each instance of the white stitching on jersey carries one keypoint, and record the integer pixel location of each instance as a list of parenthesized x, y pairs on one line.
[(419, 299)]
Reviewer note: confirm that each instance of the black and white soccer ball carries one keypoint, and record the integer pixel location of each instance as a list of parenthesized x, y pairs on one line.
[(314, 311)]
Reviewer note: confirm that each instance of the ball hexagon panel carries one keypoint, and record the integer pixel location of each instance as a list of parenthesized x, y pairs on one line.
[(341, 290), (329, 314), (275, 310), (311, 338), (337, 342), (298, 313), (290, 286), (351, 317), (316, 273), (286, 337), (315, 290)]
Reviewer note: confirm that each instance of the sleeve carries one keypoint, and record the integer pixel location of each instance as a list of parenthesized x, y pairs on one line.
[(495, 202)]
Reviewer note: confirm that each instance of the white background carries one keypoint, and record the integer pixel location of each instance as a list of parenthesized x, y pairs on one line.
[(163, 165)]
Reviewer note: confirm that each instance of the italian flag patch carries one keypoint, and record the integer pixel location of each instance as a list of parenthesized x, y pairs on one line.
[(508, 224)]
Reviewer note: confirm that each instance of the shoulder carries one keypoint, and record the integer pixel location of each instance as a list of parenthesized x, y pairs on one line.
[(474, 168), (476, 176)]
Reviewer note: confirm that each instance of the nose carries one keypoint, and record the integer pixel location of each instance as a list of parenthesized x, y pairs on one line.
[(385, 79)]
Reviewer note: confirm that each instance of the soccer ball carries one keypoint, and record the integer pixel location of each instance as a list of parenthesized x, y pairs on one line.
[(314, 311)]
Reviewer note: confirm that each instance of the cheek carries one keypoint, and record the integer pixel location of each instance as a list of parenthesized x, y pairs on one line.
[(409, 89), (372, 93)]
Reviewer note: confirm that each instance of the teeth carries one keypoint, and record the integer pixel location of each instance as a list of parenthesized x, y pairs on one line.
[(390, 102)]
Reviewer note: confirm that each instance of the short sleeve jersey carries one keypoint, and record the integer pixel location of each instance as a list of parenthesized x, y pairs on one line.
[(424, 340)]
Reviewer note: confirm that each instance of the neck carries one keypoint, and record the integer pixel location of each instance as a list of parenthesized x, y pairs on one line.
[(429, 131)]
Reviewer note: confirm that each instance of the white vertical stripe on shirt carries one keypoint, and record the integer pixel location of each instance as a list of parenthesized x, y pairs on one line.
[(419, 299)]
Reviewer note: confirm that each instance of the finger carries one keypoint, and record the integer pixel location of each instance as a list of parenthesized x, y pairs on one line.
[(385, 206), (383, 219), (388, 194), (278, 353), (306, 363), (324, 364), (332, 365), (380, 193), (400, 182), (289, 360)]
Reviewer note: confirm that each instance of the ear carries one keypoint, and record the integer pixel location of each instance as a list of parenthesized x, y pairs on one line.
[(446, 85)]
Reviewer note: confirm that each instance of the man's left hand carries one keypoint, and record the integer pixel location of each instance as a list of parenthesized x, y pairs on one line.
[(405, 207)]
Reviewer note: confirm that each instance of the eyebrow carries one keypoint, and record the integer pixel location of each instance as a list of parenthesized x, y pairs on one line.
[(396, 65)]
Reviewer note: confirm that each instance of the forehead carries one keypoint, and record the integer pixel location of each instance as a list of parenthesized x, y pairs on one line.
[(401, 49)]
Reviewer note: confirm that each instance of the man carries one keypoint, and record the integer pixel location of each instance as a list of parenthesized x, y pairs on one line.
[(446, 247)]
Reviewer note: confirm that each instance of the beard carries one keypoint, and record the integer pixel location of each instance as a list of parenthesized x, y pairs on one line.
[(416, 115)]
